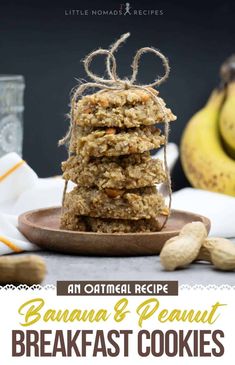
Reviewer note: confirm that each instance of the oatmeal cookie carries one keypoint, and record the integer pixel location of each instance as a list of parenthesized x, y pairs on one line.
[(73, 222), (124, 172), (122, 225), (120, 109), (115, 142), (143, 203), (115, 98)]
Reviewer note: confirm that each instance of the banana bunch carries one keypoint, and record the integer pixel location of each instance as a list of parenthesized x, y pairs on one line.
[(208, 143)]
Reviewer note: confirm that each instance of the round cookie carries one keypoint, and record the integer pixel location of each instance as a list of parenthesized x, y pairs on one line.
[(143, 203), (123, 172)]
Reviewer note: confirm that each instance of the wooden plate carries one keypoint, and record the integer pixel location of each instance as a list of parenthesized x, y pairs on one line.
[(42, 228)]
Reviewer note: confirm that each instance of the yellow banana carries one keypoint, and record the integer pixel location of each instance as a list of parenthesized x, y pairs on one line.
[(205, 163), (227, 120)]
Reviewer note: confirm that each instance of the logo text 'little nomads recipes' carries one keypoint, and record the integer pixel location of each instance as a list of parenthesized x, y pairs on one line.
[(80, 337), (123, 9)]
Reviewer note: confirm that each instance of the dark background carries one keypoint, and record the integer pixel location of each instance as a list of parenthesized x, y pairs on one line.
[(40, 42)]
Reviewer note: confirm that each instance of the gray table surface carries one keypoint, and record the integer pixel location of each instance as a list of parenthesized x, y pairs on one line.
[(68, 267)]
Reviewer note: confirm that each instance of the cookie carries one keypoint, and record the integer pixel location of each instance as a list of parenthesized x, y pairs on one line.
[(143, 203), (120, 109), (115, 142), (124, 172), (73, 222), (115, 98)]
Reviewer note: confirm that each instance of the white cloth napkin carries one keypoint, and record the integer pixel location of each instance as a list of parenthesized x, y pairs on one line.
[(219, 208), (22, 190)]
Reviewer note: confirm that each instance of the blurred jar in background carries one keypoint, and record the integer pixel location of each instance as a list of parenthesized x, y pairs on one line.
[(11, 113)]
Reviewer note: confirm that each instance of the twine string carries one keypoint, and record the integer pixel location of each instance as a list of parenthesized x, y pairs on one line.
[(112, 69), (115, 83), (135, 66), (114, 47)]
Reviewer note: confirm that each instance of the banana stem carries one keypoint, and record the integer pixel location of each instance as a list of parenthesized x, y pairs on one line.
[(227, 71)]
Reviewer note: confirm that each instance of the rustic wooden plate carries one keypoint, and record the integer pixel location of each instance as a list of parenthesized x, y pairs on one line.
[(42, 228)]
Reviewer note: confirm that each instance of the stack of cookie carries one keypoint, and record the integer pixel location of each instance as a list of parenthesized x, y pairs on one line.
[(111, 165)]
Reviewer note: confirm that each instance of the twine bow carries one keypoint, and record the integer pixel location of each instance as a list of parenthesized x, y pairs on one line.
[(115, 83)]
